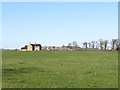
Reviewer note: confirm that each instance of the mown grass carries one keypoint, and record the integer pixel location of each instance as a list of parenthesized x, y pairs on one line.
[(59, 69)]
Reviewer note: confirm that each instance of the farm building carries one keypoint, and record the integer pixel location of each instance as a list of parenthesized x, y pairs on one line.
[(32, 47)]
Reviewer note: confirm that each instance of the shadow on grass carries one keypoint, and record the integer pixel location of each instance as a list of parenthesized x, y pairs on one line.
[(17, 71)]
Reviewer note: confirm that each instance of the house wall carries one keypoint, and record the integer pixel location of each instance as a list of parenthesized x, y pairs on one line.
[(29, 48), (23, 49), (37, 48)]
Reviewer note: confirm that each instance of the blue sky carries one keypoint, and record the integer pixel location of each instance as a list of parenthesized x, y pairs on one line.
[(57, 23)]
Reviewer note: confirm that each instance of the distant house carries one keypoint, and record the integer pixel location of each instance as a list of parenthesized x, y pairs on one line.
[(24, 48), (32, 47)]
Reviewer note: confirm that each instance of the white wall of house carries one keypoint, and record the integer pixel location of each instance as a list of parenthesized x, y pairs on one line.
[(23, 49), (29, 48), (37, 48)]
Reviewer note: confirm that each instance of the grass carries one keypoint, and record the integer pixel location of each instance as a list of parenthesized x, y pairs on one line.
[(60, 69)]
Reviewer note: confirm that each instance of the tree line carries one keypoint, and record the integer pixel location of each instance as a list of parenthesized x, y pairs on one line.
[(101, 44)]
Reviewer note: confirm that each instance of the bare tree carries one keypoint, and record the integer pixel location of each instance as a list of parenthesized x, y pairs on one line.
[(101, 44), (105, 44), (89, 44), (75, 43), (113, 43), (72, 45), (63, 46), (117, 43), (69, 44), (85, 44), (93, 44), (96, 44)]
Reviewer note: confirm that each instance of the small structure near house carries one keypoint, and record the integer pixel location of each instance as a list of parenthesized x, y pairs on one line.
[(32, 47), (24, 48)]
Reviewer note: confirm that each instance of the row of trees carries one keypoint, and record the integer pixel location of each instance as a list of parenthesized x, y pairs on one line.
[(100, 44)]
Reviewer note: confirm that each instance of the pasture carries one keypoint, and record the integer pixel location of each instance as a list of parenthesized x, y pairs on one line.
[(60, 69)]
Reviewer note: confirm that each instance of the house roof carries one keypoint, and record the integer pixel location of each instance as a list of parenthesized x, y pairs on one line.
[(24, 47), (35, 44)]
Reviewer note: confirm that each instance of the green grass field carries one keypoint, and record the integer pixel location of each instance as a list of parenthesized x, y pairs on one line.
[(60, 69)]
